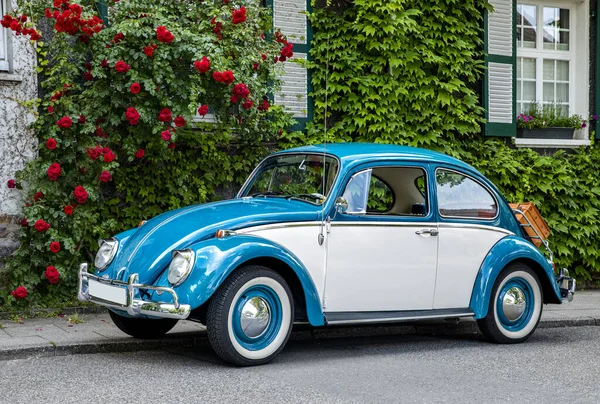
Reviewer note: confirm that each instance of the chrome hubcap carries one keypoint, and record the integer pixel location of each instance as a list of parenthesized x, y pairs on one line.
[(514, 303), (255, 317)]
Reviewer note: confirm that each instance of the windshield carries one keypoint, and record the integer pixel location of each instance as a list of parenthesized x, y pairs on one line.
[(297, 176)]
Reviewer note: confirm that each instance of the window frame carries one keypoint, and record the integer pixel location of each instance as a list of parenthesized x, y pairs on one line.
[(539, 54), (5, 63), (489, 191)]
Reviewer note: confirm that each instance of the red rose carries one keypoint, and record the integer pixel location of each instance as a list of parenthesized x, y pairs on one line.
[(38, 196), (132, 115), (52, 275), (50, 109), (139, 154), (179, 121), (88, 76), (24, 222), (218, 76), (54, 171), (68, 209), (94, 152), (88, 66), (135, 88), (11, 184), (165, 115), (104, 63), (80, 194), (264, 57), (264, 106), (41, 226), (118, 37), (202, 65), (166, 135), (240, 91), (105, 176), (82, 119), (6, 21), (238, 16), (248, 104), (19, 293), (164, 35), (55, 247), (225, 77), (203, 110), (255, 66), (149, 50), (171, 146), (64, 123), (286, 52), (109, 156), (122, 67), (51, 144)]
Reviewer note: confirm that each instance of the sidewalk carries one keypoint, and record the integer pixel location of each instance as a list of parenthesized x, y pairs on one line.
[(64, 335)]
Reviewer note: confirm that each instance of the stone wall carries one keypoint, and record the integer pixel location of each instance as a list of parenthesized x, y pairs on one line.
[(17, 143)]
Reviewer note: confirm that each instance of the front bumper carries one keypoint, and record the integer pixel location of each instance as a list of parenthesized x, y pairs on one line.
[(566, 284), (133, 307)]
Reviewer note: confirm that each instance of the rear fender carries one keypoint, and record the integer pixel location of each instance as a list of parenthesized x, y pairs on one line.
[(504, 252), (216, 259)]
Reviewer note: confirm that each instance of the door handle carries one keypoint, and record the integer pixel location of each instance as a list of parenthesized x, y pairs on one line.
[(430, 232)]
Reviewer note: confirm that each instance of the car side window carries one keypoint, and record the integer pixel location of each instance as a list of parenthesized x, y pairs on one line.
[(462, 197), (381, 197)]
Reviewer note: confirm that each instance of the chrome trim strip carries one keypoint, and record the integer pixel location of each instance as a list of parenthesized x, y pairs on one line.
[(474, 226), (247, 230), (133, 307), (400, 318), (477, 181), (384, 224)]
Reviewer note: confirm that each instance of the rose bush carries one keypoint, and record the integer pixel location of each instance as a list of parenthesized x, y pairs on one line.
[(124, 128)]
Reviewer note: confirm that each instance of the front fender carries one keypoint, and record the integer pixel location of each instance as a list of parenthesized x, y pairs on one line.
[(216, 259), (504, 252)]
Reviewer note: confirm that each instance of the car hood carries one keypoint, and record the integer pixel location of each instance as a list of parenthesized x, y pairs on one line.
[(147, 251)]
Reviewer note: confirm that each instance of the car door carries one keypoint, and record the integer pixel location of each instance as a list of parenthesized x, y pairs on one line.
[(468, 228), (382, 249)]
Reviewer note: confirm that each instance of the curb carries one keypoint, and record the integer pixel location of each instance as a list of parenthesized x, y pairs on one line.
[(301, 333), (33, 313)]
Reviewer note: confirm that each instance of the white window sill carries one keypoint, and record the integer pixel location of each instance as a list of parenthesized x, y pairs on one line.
[(16, 78), (552, 143)]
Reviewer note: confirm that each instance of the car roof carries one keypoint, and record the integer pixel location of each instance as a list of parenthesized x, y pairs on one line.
[(350, 152)]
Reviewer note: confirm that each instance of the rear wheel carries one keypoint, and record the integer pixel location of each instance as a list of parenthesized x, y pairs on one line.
[(142, 328), (515, 306), (249, 319)]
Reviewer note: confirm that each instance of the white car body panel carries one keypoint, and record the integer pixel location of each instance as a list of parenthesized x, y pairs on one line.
[(462, 249), (379, 266)]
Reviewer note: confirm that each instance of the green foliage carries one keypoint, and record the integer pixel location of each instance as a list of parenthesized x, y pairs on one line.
[(548, 116), (399, 71), (200, 159)]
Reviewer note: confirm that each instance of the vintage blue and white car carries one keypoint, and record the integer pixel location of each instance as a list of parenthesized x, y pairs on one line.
[(342, 234)]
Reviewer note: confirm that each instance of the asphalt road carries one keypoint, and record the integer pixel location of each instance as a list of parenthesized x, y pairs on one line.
[(555, 365)]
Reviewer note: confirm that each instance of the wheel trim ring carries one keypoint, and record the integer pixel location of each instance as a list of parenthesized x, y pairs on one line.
[(523, 320), (271, 331)]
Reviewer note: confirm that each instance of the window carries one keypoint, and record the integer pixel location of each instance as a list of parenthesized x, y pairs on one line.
[(4, 35), (389, 191), (462, 197), (545, 57)]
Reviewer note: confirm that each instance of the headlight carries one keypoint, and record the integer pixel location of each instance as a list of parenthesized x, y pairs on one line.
[(106, 253), (180, 267)]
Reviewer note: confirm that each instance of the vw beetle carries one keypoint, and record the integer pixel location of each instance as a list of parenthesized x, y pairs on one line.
[(336, 234)]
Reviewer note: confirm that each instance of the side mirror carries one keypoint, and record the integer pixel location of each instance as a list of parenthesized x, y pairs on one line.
[(341, 205)]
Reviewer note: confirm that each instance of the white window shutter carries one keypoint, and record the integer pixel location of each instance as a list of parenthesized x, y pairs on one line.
[(289, 16), (4, 35), (499, 85)]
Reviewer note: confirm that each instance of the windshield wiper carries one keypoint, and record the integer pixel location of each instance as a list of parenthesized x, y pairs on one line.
[(266, 193), (316, 196)]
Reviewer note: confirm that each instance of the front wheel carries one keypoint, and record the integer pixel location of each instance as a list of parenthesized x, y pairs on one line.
[(142, 328), (250, 317), (515, 306)]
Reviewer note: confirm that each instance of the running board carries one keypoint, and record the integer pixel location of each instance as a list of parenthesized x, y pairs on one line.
[(355, 317)]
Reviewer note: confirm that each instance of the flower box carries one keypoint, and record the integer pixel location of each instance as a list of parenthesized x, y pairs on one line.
[(546, 133)]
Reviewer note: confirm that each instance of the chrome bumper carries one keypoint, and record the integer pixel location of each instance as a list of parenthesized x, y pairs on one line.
[(566, 284), (133, 307)]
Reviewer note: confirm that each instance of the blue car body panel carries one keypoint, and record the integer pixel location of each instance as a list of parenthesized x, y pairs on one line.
[(507, 250), (217, 258)]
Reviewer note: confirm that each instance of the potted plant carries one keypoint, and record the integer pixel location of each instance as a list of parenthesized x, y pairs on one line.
[(548, 122)]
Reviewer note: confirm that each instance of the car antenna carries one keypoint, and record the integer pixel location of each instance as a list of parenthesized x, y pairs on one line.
[(321, 236)]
